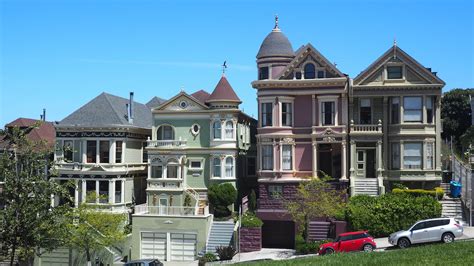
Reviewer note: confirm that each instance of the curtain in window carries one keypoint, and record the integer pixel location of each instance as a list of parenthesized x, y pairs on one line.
[(286, 157), (412, 155), (429, 156), (267, 157), (229, 130), (216, 167), (229, 167), (216, 126), (412, 107), (286, 114)]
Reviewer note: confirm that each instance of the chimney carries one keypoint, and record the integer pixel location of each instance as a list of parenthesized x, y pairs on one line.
[(43, 116), (130, 107)]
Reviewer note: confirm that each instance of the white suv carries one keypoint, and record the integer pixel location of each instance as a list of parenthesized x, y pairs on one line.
[(431, 230)]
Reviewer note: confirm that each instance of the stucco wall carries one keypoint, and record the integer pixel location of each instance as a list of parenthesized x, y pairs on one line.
[(303, 111), (303, 157), (183, 129), (133, 151)]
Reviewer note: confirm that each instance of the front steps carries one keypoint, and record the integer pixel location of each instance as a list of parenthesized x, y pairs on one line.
[(220, 235), (446, 188), (452, 208), (318, 230), (366, 186)]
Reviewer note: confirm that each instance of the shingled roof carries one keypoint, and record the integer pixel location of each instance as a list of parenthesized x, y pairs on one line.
[(201, 95), (43, 132), (107, 110), (223, 92), (155, 102)]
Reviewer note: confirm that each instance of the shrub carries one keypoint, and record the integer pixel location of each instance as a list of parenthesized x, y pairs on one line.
[(250, 220), (302, 247), (437, 192), (208, 257), (225, 253), (389, 213), (221, 196)]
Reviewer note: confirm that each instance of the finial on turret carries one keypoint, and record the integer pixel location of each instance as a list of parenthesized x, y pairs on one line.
[(395, 47), (224, 67), (276, 21)]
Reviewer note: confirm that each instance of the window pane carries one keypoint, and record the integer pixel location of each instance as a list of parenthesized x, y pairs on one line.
[(217, 129), (195, 164), (229, 130), (395, 156), (309, 71), (118, 151), (68, 150), (328, 113), (394, 72), (229, 167), (286, 114), (104, 151), (321, 74), (251, 166), (412, 107), (91, 151), (286, 157), (118, 191), (395, 116), (156, 171), (412, 102), (90, 191), (412, 155), (217, 167), (263, 73), (429, 110), (365, 111), (267, 114), (103, 191), (267, 157)]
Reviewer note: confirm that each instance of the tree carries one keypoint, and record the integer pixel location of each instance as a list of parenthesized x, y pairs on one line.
[(315, 198), (456, 113), (252, 201), (95, 228), (221, 196), (29, 225)]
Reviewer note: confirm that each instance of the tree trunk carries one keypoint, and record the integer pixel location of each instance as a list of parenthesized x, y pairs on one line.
[(88, 256), (12, 258)]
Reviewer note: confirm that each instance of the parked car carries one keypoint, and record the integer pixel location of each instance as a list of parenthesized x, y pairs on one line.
[(144, 262), (347, 242), (431, 230)]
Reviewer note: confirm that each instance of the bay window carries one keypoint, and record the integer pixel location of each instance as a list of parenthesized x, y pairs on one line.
[(216, 167), (229, 167), (412, 155), (267, 114), (412, 109), (286, 157), (104, 151), (429, 155), (118, 151), (287, 114), (91, 151), (229, 130), (267, 157)]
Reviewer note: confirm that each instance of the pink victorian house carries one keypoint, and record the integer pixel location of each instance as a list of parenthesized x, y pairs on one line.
[(302, 130)]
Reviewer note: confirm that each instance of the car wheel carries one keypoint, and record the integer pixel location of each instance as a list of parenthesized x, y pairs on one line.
[(328, 251), (403, 243), (447, 238), (368, 248)]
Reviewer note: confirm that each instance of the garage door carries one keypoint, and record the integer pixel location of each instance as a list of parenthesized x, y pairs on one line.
[(183, 247), (153, 246), (278, 234)]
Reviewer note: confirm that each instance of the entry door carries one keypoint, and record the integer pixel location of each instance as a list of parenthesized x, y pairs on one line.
[(361, 165), (163, 206)]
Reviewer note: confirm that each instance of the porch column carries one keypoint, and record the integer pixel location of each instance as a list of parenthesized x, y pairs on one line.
[(315, 159), (437, 152), (84, 192), (76, 193), (111, 191), (122, 195), (84, 151), (314, 113), (344, 156), (97, 153), (352, 152), (379, 158), (402, 151), (385, 157)]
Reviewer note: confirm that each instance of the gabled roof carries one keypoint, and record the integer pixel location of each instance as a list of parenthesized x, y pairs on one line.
[(302, 52), (181, 94), (155, 102), (201, 95), (107, 110), (223, 92), (44, 131), (397, 52)]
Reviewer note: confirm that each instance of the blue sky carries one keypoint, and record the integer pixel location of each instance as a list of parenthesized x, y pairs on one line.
[(59, 55)]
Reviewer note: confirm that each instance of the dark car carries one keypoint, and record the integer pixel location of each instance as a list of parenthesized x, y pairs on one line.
[(347, 242), (144, 262)]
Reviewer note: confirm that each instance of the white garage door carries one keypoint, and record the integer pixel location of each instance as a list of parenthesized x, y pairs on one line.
[(153, 246), (183, 247)]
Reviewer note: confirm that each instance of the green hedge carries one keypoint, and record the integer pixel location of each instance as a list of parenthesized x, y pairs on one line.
[(250, 220), (389, 213), (302, 247), (437, 192)]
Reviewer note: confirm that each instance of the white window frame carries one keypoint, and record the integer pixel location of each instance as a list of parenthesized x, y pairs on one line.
[(421, 154), (213, 172), (291, 156), (232, 167), (272, 103), (292, 111), (263, 156), (321, 101), (421, 109), (191, 161)]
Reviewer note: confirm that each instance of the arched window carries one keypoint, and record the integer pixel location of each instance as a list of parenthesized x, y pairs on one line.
[(229, 167), (216, 128), (309, 71), (216, 170), (172, 169), (165, 132), (229, 130)]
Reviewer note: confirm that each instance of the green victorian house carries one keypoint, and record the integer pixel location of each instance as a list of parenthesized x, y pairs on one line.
[(197, 140)]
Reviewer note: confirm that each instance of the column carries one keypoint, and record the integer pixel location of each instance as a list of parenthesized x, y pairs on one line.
[(313, 112), (402, 151), (437, 151), (385, 120), (423, 104), (344, 120), (84, 151), (84, 192), (76, 193), (123, 151), (353, 163), (149, 168), (111, 191), (379, 157), (344, 161), (97, 153), (401, 110), (315, 159), (122, 195), (112, 151)]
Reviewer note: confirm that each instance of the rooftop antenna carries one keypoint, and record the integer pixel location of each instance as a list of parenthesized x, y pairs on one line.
[(394, 47), (224, 67)]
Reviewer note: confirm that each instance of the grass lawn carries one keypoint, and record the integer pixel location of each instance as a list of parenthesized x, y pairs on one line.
[(457, 253)]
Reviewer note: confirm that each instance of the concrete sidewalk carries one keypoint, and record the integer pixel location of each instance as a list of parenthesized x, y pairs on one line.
[(382, 243)]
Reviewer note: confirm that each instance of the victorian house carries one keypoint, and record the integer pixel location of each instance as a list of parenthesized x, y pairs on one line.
[(395, 125), (302, 129), (100, 147), (197, 140)]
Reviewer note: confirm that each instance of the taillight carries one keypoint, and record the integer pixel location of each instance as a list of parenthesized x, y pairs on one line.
[(458, 226)]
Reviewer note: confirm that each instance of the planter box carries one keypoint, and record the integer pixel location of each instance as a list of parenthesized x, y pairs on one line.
[(250, 239)]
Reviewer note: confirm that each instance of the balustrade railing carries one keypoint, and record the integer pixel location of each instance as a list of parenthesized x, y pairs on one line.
[(171, 210), (166, 143), (366, 128)]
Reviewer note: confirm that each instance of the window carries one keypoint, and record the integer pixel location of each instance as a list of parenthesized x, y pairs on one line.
[(165, 133), (195, 164), (229, 130), (365, 111), (429, 110), (394, 72), (118, 191), (103, 191), (195, 129), (419, 226), (172, 169), (429, 155), (157, 171), (309, 71), (216, 128), (267, 114), (216, 167), (286, 114), (90, 191), (275, 191), (104, 151), (229, 167), (395, 156), (298, 75), (144, 152), (118, 152), (251, 166), (91, 151), (395, 112), (267, 157), (321, 74), (412, 155), (412, 109), (183, 104), (263, 73), (286, 157), (68, 149), (328, 112)]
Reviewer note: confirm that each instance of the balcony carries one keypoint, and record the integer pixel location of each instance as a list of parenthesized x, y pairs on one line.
[(166, 144), (165, 184), (144, 209), (116, 168), (366, 129)]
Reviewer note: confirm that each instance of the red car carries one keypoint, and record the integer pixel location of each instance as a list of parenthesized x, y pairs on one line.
[(347, 242)]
